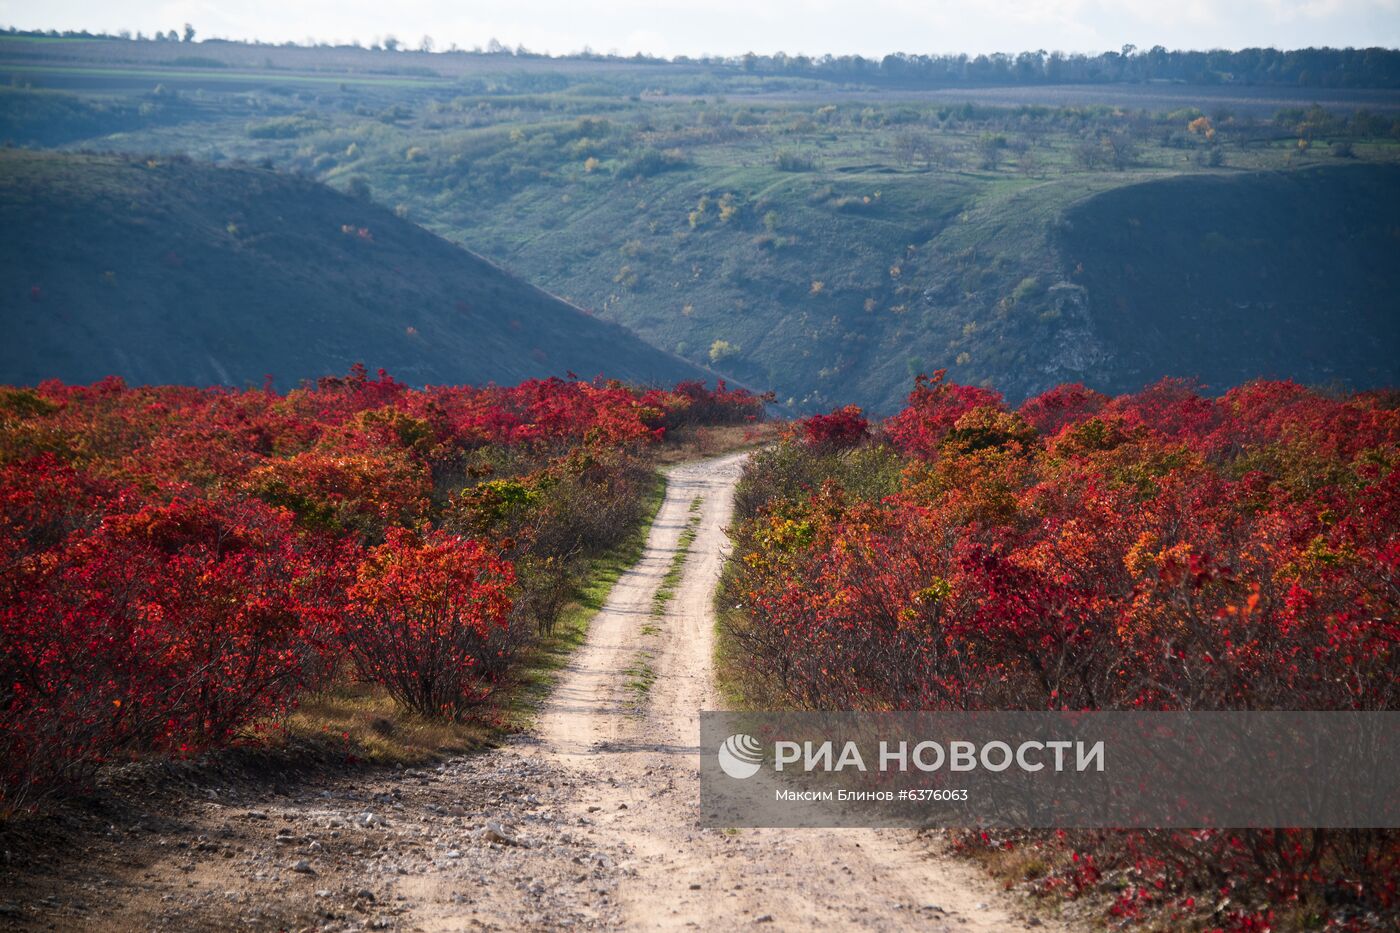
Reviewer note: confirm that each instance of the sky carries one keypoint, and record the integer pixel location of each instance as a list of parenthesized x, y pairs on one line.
[(731, 27)]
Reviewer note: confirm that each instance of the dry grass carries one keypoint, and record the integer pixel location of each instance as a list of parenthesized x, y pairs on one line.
[(700, 442), (377, 730), (373, 728), (539, 669), (1019, 865)]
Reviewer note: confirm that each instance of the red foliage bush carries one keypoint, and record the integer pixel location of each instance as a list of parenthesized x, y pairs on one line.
[(170, 627), (427, 619), (934, 407), (844, 427), (1162, 550), (176, 563), (690, 403), (1062, 405)]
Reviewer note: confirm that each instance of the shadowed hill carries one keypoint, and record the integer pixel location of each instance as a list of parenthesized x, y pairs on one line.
[(175, 272), (1232, 277)]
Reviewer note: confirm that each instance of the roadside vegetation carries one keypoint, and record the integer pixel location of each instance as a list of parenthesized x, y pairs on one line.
[(1155, 551), (187, 569)]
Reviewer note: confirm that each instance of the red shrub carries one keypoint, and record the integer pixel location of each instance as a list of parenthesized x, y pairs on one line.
[(171, 628), (1062, 405), (1162, 550), (174, 561), (427, 619), (934, 407), (842, 428)]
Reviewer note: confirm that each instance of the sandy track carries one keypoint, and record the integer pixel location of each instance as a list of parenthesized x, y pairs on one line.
[(646, 759)]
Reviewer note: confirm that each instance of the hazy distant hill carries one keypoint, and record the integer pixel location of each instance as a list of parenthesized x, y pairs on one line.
[(173, 271)]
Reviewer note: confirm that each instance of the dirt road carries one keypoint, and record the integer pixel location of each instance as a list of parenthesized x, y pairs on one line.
[(590, 822), (647, 761)]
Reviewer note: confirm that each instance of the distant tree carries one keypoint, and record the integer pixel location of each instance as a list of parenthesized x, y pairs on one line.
[(426, 44), (937, 156), (1367, 123), (909, 146), (1213, 157), (189, 33), (721, 350), (391, 44), (1028, 163), (788, 161), (989, 149), (1090, 154), (1123, 149), (650, 162)]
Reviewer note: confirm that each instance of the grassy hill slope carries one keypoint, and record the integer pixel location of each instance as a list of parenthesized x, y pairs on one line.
[(1231, 277), (830, 245), (173, 271), (833, 286)]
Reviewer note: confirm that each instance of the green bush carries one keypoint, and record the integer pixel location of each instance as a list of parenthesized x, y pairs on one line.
[(651, 162), (795, 162)]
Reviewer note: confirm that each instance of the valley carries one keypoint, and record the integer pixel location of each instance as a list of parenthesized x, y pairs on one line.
[(826, 239), (401, 445)]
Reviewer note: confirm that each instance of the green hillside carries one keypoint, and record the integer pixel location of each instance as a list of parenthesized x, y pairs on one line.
[(830, 240), (842, 284), (167, 271)]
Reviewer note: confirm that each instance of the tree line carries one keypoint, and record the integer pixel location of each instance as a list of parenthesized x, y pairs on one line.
[(1311, 67)]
